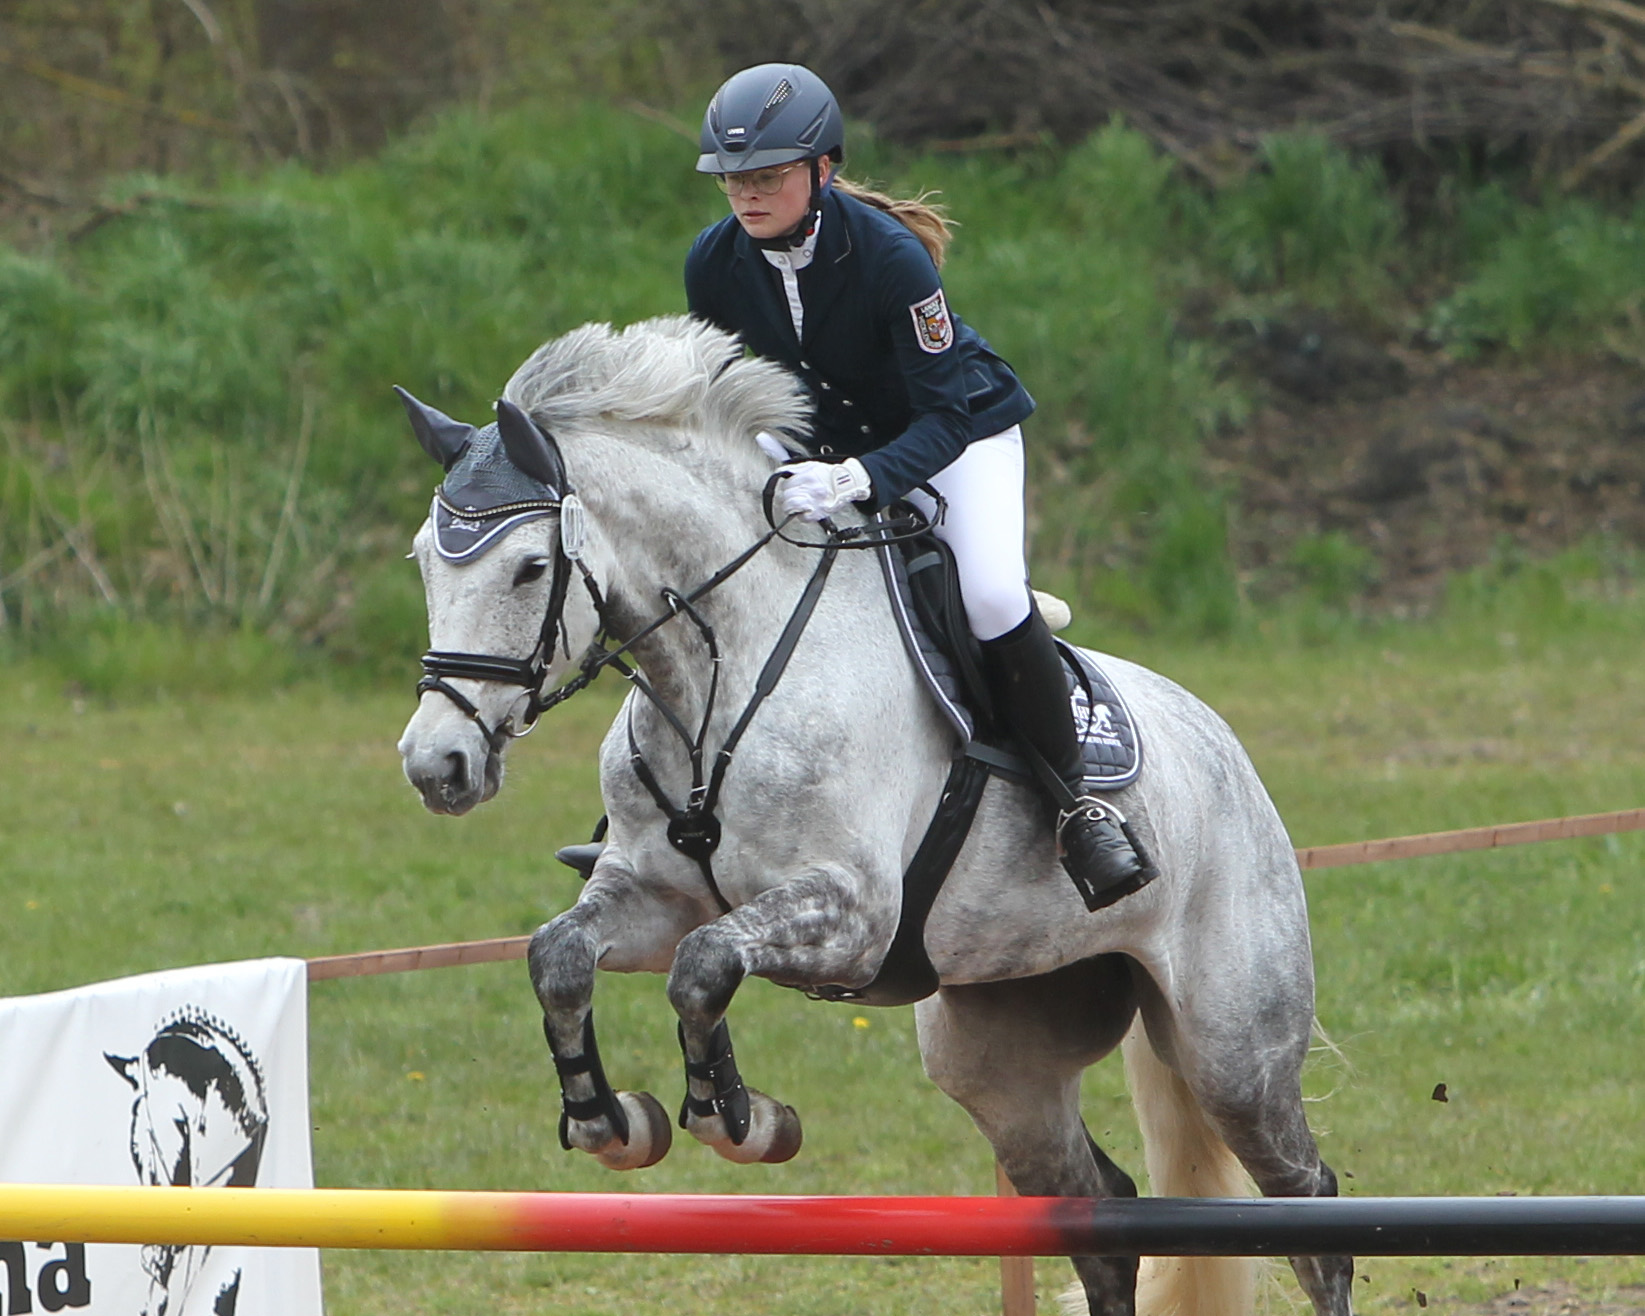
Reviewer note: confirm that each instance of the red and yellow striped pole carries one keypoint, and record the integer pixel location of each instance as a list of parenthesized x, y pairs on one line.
[(831, 1226), (555, 1222)]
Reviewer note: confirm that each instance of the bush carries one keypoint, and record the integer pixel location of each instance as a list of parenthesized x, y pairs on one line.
[(1311, 218), (1566, 272)]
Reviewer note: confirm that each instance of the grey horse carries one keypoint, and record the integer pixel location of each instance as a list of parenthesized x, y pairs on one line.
[(1208, 968)]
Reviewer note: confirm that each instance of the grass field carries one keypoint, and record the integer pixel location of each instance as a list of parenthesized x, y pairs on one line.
[(177, 830)]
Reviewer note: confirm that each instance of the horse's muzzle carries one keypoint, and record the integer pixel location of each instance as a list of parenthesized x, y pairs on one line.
[(451, 776)]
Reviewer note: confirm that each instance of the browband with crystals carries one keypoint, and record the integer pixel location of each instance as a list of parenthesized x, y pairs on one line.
[(464, 533)]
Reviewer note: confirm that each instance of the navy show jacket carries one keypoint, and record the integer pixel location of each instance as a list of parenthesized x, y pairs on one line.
[(888, 389)]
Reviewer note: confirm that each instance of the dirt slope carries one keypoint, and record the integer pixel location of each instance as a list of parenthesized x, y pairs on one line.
[(1430, 464)]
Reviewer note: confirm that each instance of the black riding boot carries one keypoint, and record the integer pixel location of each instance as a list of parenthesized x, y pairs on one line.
[(1025, 673)]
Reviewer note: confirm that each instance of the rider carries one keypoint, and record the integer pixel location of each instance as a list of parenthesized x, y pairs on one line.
[(840, 284)]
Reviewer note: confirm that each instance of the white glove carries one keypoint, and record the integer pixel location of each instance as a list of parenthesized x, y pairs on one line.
[(813, 490)]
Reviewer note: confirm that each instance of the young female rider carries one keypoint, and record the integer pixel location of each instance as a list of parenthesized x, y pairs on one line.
[(841, 286)]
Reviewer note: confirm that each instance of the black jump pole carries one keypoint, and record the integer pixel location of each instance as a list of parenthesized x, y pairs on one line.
[(1363, 1226)]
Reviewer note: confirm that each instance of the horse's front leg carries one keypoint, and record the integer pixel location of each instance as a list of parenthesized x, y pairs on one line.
[(818, 928), (618, 923)]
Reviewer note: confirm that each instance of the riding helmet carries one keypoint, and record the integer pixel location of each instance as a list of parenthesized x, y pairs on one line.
[(771, 114)]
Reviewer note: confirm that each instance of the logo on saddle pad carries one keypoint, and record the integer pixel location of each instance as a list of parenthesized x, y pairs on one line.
[(1094, 721)]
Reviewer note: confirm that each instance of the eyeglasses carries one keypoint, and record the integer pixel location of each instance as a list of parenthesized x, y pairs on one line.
[(763, 182)]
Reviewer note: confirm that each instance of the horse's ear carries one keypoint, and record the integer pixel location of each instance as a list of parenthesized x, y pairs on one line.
[(529, 447), (442, 438), (123, 1065)]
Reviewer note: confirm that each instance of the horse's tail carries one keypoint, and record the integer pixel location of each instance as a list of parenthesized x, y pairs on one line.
[(1186, 1158)]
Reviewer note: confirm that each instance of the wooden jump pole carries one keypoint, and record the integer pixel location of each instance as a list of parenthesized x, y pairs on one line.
[(1471, 838), (492, 949)]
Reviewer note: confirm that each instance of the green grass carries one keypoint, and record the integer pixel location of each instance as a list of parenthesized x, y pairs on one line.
[(145, 834)]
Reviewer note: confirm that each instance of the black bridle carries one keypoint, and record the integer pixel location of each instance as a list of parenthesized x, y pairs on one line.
[(529, 672), (694, 830)]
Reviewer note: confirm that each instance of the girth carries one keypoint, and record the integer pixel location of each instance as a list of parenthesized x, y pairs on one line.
[(906, 974)]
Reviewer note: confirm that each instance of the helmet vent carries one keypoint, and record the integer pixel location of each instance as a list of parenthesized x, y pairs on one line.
[(809, 134), (778, 98)]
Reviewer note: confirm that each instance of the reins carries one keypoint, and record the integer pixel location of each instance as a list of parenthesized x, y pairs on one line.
[(695, 829)]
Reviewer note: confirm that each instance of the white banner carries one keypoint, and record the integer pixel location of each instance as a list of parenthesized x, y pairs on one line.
[(194, 1076)]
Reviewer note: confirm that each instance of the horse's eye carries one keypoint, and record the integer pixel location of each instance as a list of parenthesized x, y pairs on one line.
[(530, 570)]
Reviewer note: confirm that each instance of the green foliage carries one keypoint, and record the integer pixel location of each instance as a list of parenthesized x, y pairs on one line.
[(386, 620), (202, 387), (1588, 588), (1566, 272), (1187, 567), (41, 318), (1080, 298), (113, 657), (1117, 188), (198, 339), (1334, 570), (195, 393), (1313, 219)]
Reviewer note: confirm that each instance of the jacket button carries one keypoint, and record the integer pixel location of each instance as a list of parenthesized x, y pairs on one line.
[(844, 402), (866, 430), (825, 386), (805, 365)]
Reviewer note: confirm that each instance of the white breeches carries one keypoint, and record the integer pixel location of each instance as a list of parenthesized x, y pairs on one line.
[(985, 529)]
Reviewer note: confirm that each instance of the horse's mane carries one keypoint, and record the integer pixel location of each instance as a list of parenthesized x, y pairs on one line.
[(222, 1059), (672, 371)]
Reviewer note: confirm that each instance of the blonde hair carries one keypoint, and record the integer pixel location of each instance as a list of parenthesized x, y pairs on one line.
[(926, 221)]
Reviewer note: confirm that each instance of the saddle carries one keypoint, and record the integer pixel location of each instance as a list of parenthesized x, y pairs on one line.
[(923, 584)]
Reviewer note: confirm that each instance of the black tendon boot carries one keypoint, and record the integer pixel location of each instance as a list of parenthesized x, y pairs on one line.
[(1026, 675)]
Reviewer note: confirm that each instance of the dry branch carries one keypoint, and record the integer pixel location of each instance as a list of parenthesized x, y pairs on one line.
[(1629, 13), (73, 82)]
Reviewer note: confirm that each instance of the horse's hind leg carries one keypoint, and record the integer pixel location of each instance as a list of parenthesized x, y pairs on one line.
[(813, 929), (1012, 1054), (1193, 1069)]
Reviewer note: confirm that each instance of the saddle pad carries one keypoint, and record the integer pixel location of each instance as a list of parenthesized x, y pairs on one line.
[(1108, 732), (936, 670)]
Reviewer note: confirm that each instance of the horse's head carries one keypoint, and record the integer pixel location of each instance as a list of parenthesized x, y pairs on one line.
[(200, 1115), (496, 554), (661, 419)]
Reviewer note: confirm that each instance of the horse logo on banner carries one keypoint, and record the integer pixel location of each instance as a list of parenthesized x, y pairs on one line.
[(199, 1119)]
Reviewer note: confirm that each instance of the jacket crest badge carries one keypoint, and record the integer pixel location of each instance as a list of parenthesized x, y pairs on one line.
[(933, 326)]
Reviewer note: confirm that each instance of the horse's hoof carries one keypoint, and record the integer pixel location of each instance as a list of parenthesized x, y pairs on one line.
[(648, 1134), (786, 1140), (774, 1133)]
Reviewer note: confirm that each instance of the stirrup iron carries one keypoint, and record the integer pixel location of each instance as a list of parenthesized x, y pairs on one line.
[(1116, 866)]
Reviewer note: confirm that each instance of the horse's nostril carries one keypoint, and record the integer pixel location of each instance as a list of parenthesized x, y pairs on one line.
[(457, 768)]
